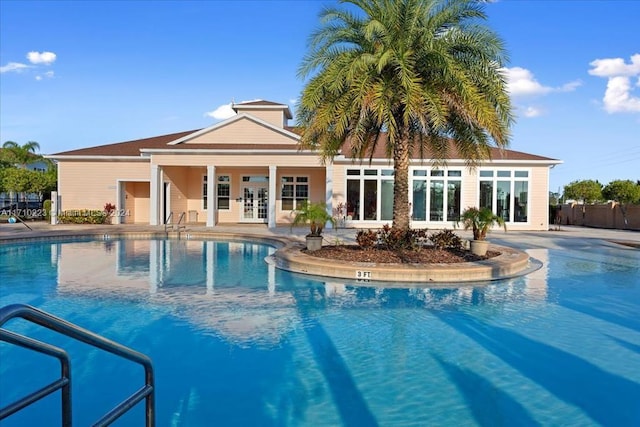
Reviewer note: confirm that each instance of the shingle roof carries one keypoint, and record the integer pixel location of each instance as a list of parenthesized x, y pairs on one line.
[(452, 153), (132, 148), (127, 148), (259, 102)]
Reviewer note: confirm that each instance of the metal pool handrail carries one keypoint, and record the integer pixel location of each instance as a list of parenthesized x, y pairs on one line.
[(63, 327)]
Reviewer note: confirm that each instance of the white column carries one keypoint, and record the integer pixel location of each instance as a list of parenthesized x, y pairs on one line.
[(272, 196), (328, 170), (154, 196), (54, 207), (211, 193)]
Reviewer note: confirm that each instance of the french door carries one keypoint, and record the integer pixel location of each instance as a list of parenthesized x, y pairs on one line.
[(255, 202)]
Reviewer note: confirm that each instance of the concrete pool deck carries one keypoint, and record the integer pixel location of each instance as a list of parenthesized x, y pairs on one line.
[(513, 260)]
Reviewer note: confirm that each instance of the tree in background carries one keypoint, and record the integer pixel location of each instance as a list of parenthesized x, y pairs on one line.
[(14, 175), (22, 155), (414, 76), (624, 192), (587, 191)]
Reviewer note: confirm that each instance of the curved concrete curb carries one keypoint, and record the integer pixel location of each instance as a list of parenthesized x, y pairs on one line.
[(509, 263)]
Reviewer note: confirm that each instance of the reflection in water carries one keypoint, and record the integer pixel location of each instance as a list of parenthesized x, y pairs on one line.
[(238, 341)]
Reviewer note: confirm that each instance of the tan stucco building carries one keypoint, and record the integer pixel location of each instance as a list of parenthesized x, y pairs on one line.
[(250, 169)]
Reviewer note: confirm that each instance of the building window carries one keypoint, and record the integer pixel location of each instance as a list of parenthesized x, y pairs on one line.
[(223, 192), (506, 193), (294, 191), (370, 194), (204, 193), (442, 201)]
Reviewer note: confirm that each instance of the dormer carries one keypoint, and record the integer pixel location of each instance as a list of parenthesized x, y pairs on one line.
[(271, 112)]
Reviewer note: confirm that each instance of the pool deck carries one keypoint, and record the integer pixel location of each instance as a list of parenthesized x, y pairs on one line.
[(513, 260)]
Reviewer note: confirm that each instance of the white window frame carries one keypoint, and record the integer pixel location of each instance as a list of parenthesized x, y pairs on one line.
[(512, 179), (218, 195), (295, 184), (445, 196)]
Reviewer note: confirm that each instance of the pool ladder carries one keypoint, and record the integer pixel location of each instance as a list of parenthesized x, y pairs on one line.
[(180, 225), (68, 329)]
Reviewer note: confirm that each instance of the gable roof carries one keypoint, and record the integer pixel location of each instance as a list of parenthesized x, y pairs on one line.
[(452, 153), (126, 148), (242, 116), (134, 148), (261, 104)]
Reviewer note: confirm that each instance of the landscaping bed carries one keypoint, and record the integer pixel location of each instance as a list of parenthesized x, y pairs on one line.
[(425, 255)]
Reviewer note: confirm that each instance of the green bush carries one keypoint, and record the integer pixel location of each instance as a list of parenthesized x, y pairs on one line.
[(392, 239), (46, 207), (83, 216)]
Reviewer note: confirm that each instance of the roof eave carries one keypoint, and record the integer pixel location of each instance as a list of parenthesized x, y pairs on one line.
[(97, 157)]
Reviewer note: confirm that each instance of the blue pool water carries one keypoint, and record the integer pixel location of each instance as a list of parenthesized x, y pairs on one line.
[(236, 342)]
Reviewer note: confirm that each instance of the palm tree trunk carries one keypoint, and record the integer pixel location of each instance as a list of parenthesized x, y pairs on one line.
[(401, 183)]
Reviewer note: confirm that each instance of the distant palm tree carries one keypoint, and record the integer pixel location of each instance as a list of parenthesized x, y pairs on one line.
[(23, 154), (417, 76)]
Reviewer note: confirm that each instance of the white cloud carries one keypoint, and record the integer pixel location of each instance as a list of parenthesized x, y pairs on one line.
[(45, 58), (531, 112), (222, 112), (614, 67), (13, 66), (570, 87), (47, 75), (521, 82), (618, 97), (225, 111)]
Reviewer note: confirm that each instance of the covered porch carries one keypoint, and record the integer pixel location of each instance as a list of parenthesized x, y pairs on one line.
[(211, 195)]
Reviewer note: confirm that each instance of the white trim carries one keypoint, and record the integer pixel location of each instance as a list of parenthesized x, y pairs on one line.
[(234, 119), (512, 179), (293, 151), (120, 196), (254, 185), (348, 161), (248, 106), (85, 157)]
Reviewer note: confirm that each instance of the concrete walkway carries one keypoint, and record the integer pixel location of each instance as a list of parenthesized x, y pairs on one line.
[(548, 239)]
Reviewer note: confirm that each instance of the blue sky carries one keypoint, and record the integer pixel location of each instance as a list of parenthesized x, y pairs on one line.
[(78, 74)]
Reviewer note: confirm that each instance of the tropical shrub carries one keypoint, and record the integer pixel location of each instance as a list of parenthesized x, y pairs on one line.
[(314, 214), (83, 216), (480, 221), (446, 239), (366, 239), (394, 238)]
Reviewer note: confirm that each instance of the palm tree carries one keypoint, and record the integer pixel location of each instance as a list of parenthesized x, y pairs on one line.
[(24, 154), (417, 76)]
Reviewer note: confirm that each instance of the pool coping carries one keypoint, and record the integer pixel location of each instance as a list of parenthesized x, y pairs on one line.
[(289, 257), (510, 263)]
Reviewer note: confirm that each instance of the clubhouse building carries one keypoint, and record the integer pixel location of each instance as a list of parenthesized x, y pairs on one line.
[(250, 169)]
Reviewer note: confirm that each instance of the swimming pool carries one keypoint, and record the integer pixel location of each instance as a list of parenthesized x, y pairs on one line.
[(236, 342)]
